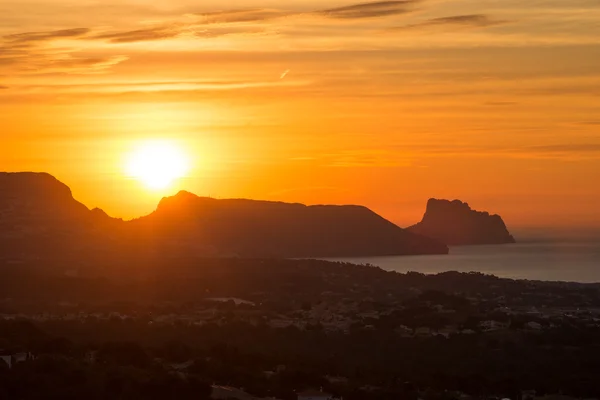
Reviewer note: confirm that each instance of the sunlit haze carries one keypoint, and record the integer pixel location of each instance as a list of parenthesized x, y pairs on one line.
[(383, 104), (157, 164), (300, 199)]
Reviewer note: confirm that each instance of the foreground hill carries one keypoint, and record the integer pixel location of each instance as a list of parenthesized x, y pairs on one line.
[(379, 335), (455, 223), (40, 218)]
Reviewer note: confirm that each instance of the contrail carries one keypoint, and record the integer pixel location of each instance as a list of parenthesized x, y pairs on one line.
[(287, 71)]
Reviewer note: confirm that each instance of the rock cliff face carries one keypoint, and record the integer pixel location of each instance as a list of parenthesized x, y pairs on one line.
[(455, 223), (39, 218)]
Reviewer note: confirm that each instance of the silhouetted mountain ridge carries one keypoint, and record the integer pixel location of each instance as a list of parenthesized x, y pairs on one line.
[(38, 201), (455, 223), (276, 229), (40, 218)]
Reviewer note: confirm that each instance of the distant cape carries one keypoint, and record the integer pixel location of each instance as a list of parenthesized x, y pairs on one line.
[(40, 218), (455, 223)]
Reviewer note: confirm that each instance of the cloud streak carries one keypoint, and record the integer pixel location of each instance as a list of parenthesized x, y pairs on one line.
[(202, 28), (247, 15), (28, 37), (140, 35), (355, 11), (221, 31), (370, 10), (458, 21), (95, 63), (30, 53), (249, 21)]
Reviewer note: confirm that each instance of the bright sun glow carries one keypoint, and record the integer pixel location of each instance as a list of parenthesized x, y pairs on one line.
[(157, 163)]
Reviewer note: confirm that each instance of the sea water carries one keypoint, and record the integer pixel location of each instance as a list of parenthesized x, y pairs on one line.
[(548, 261)]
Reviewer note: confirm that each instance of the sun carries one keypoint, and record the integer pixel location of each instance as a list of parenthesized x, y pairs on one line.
[(157, 163)]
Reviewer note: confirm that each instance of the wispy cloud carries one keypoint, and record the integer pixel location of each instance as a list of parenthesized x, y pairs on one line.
[(40, 61), (164, 32), (95, 63), (460, 21), (70, 64), (140, 35), (467, 20), (49, 35), (354, 11), (29, 53), (216, 31), (174, 90), (370, 10), (12, 53), (247, 15)]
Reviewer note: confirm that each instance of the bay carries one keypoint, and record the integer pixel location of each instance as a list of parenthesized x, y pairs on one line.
[(547, 261)]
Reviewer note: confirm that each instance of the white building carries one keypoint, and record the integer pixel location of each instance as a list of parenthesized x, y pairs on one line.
[(534, 325), (7, 360), (12, 359)]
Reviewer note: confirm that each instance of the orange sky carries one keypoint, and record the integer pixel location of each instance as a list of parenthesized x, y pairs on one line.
[(383, 104)]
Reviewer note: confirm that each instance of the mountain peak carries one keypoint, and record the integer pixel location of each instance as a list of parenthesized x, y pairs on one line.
[(39, 215), (179, 200), (182, 195), (441, 206), (455, 223), (33, 184)]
